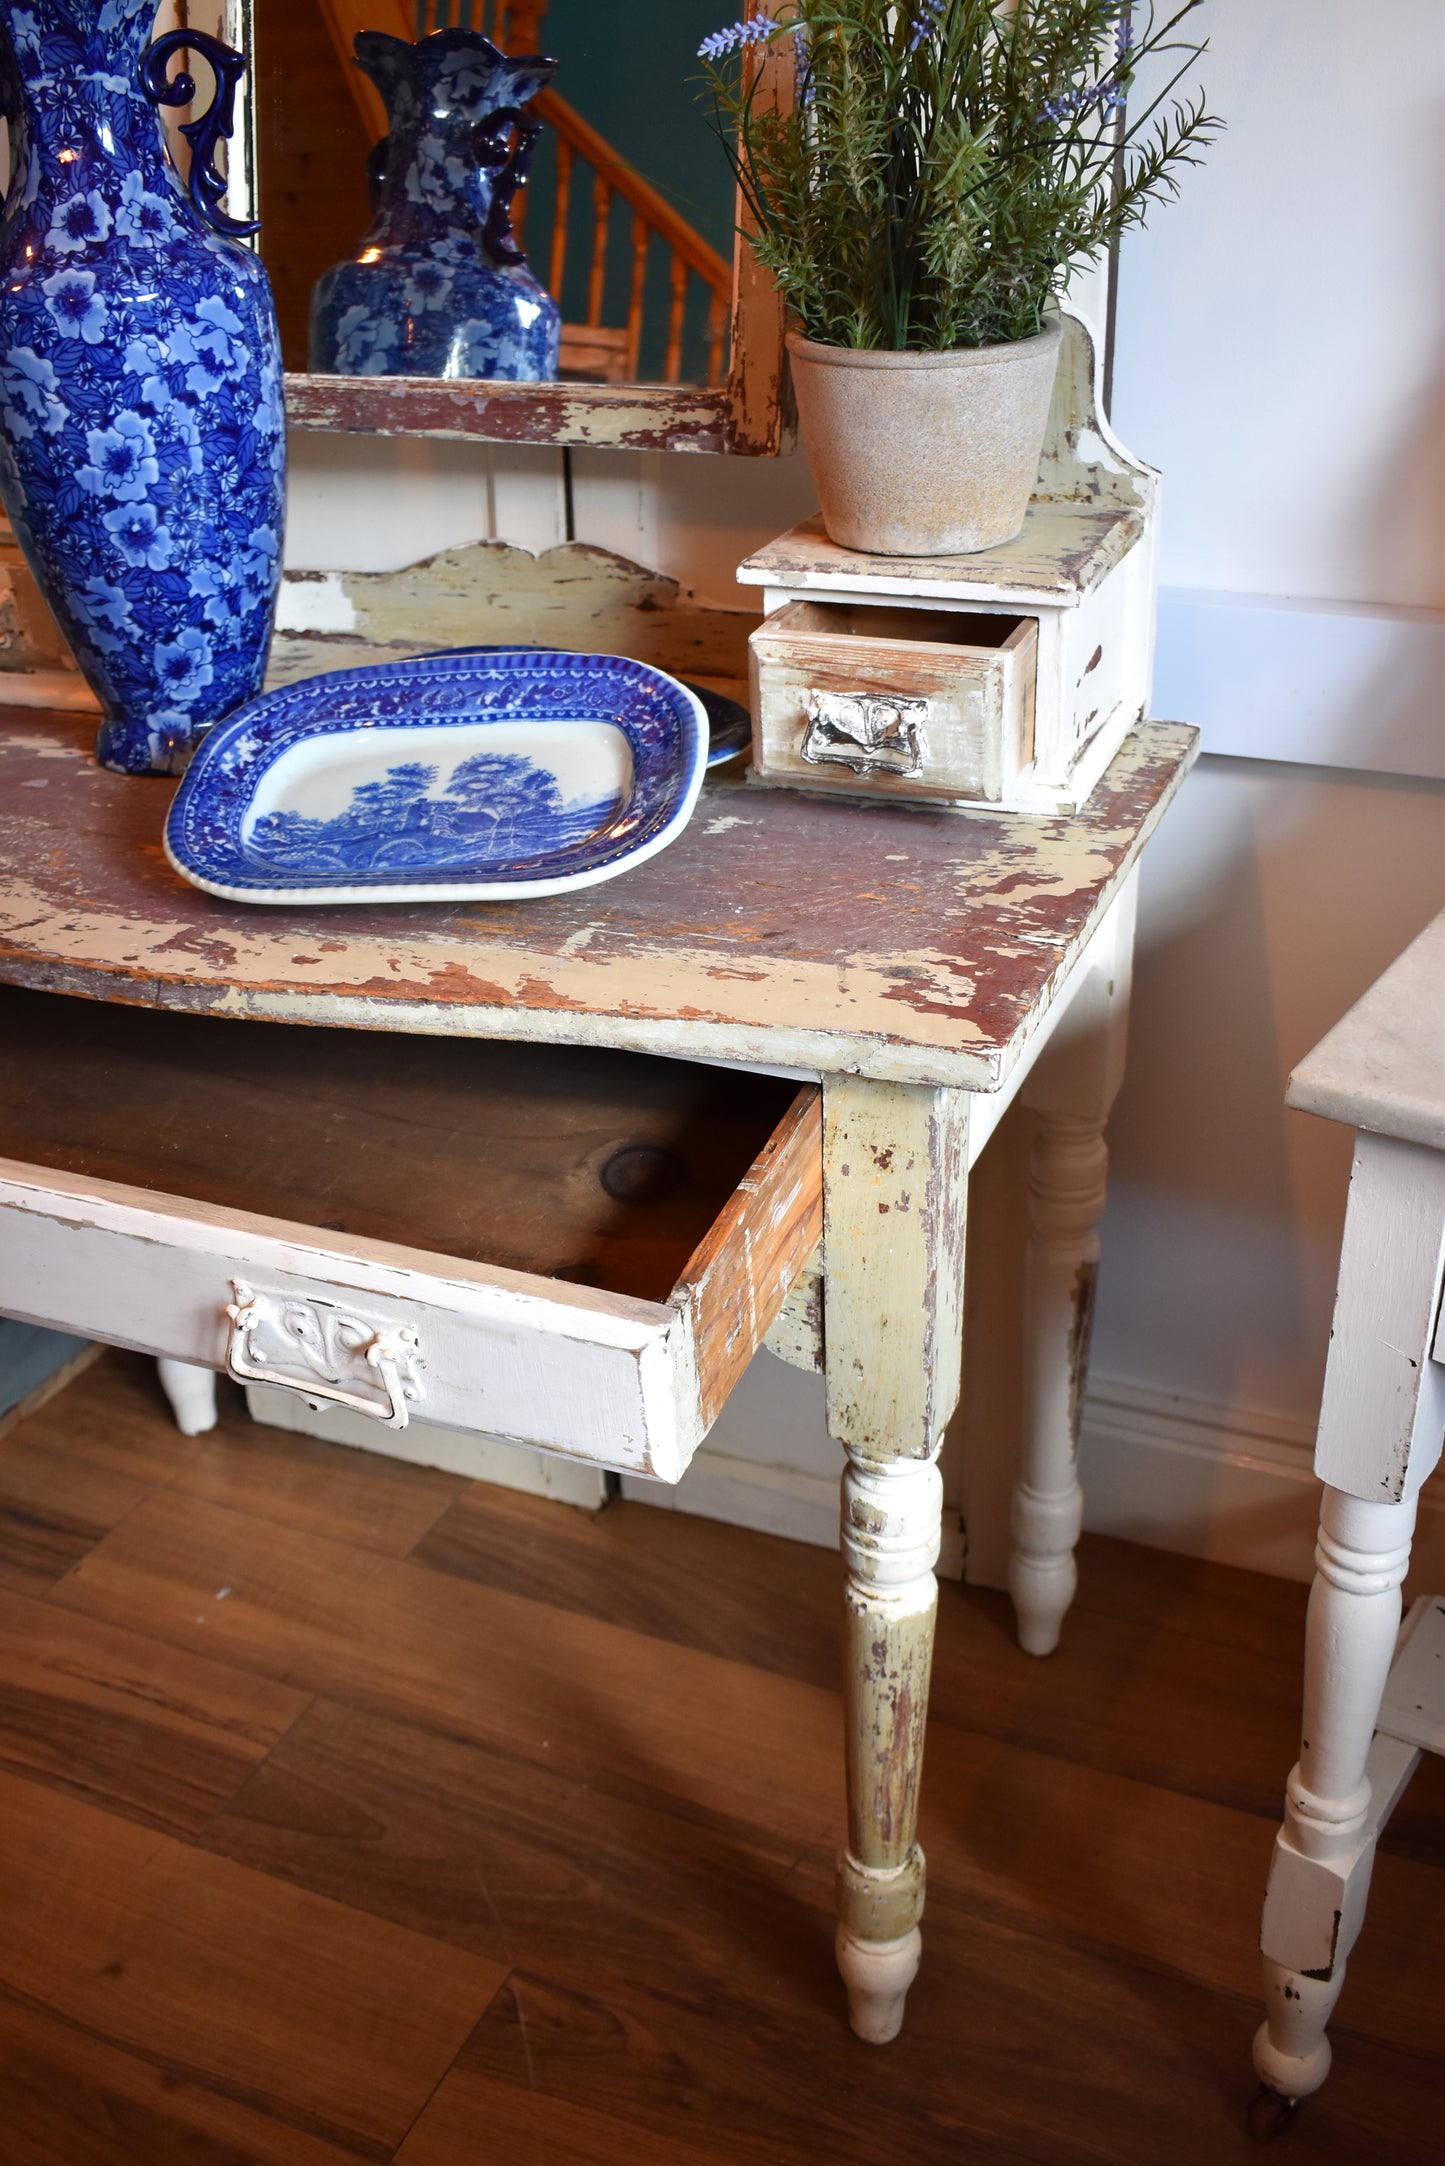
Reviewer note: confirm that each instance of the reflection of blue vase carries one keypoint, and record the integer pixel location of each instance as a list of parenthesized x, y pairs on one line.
[(143, 453), (438, 285)]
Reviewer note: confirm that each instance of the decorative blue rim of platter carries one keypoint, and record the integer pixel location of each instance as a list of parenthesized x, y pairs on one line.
[(484, 774)]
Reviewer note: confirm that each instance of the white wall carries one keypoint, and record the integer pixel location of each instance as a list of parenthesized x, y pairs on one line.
[(1280, 339), (1281, 355)]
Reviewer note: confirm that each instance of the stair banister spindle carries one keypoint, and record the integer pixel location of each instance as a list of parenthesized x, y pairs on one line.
[(672, 367), (602, 210)]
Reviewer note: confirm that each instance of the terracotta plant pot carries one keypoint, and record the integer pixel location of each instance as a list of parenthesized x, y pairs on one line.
[(924, 454)]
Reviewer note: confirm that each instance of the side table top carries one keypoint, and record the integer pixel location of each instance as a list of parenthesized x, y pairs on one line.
[(1061, 551), (1382, 1067), (779, 929)]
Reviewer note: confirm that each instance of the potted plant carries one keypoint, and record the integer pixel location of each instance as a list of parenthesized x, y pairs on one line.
[(921, 199)]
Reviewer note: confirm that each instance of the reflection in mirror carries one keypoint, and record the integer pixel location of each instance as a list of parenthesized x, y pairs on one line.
[(604, 186)]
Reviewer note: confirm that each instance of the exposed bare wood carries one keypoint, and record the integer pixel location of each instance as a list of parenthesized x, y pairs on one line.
[(737, 1279), (491, 1152), (632, 417)]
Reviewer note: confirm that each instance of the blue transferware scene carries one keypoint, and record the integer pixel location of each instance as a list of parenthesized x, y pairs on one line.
[(473, 775)]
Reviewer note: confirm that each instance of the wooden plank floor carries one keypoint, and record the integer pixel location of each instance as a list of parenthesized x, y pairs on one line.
[(352, 1812)]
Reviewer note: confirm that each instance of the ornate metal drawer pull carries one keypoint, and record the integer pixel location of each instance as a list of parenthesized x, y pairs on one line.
[(874, 733), (315, 1347)]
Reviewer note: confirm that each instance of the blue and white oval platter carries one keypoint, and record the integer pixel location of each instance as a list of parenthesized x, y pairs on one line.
[(459, 777)]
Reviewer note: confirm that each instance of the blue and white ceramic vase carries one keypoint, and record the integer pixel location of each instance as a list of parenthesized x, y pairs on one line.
[(142, 462), (438, 285)]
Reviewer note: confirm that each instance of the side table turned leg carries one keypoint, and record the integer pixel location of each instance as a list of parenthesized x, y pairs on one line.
[(192, 1393), (1320, 1878), (895, 1186), (1067, 1179), (1072, 1089)]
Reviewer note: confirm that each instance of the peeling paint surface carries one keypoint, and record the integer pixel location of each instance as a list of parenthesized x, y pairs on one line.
[(778, 928), (637, 417), (1061, 551)]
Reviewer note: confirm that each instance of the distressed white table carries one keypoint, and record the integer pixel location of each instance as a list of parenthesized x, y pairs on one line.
[(1381, 1070), (913, 970)]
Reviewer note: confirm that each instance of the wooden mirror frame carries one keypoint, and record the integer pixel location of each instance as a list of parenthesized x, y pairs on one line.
[(744, 414)]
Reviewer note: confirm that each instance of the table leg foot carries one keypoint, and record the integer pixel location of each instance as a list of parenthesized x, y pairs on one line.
[(1042, 1574), (192, 1393), (878, 1974), (1291, 2050)]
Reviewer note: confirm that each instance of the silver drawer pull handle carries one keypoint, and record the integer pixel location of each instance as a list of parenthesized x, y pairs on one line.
[(317, 1348), (874, 733)]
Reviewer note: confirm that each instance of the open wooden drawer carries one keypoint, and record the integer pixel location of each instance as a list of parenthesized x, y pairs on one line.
[(569, 1248)]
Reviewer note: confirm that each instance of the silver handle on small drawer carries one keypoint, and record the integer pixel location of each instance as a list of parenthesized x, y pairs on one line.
[(318, 1347), (874, 733)]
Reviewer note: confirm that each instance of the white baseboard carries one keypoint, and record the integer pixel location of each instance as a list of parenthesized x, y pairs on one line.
[(785, 1500), (1329, 684), (1230, 1484)]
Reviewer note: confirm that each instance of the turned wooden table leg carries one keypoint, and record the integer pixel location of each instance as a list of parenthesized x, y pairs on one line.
[(1324, 1853), (895, 1189), (1072, 1088), (1381, 1417), (192, 1393)]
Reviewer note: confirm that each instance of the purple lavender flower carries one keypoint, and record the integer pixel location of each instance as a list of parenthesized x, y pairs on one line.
[(736, 37), (925, 22)]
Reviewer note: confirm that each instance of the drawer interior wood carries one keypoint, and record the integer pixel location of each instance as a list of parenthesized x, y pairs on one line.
[(602, 1168), (900, 627)]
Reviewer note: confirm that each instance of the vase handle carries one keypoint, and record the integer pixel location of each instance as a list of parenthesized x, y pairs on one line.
[(207, 186), (497, 232)]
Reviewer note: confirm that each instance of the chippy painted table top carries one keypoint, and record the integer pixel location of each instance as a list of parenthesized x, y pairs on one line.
[(779, 929)]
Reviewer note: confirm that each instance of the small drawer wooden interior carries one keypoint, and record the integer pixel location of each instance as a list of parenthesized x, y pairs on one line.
[(962, 632), (643, 1178)]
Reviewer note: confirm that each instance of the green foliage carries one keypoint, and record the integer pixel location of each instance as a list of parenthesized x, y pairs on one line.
[(944, 163)]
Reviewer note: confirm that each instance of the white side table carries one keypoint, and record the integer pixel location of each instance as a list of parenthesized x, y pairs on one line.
[(1382, 1070)]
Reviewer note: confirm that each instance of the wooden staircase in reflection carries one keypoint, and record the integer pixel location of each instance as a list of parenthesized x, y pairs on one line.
[(592, 348)]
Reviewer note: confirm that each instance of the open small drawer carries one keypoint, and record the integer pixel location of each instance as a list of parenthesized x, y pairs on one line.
[(573, 1249), (931, 705)]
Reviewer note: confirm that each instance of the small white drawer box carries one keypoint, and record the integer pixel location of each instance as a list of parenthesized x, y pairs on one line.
[(917, 703)]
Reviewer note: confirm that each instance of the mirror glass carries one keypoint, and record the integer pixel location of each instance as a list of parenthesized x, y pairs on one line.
[(623, 221)]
